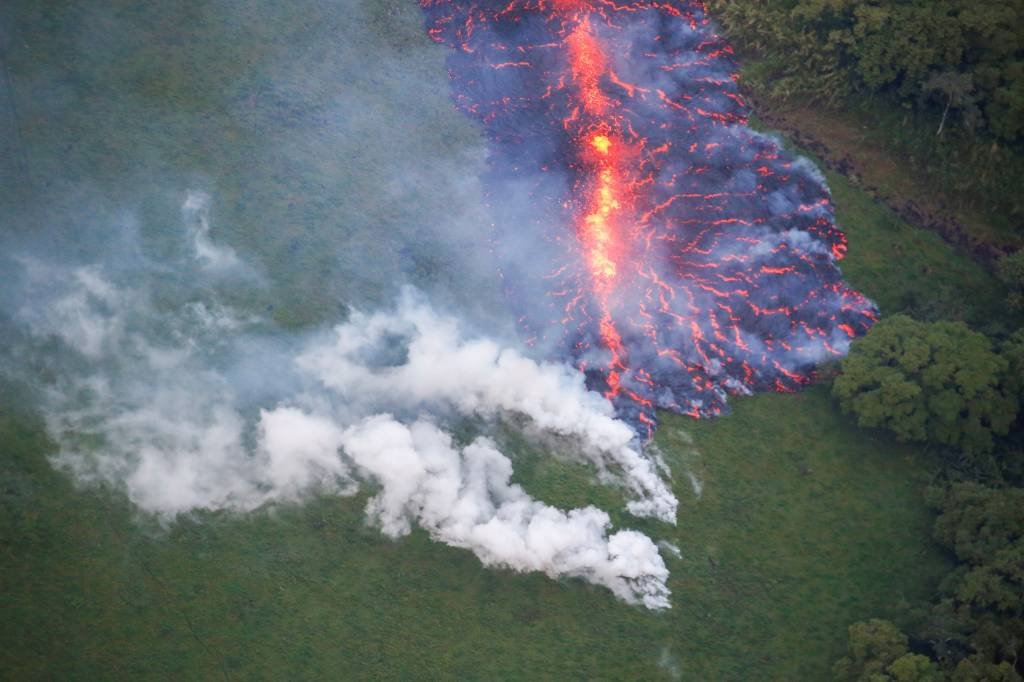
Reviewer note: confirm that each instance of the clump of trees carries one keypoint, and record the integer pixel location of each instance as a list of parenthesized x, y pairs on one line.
[(960, 57), (979, 617), (944, 384), (878, 652), (940, 383)]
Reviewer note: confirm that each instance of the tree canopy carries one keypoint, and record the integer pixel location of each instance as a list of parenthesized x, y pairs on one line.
[(937, 382), (949, 54), (878, 653), (983, 599)]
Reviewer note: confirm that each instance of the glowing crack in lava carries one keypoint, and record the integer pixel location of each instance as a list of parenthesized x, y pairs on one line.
[(643, 230)]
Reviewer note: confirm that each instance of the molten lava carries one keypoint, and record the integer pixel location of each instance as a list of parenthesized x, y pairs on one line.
[(681, 255)]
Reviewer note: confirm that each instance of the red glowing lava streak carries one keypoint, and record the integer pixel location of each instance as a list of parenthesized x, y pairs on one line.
[(600, 227)]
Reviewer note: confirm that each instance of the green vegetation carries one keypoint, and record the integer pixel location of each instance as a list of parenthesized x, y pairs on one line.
[(1011, 270), (976, 629), (953, 388), (781, 550), (981, 612), (938, 382), (953, 55), (939, 85), (924, 108), (879, 653)]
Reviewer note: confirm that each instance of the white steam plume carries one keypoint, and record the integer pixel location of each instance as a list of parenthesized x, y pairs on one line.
[(477, 376), (464, 498)]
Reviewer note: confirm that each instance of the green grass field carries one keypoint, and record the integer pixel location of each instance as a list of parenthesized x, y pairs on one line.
[(804, 523)]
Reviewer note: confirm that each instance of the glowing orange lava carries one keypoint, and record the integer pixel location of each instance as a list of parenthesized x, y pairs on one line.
[(601, 227)]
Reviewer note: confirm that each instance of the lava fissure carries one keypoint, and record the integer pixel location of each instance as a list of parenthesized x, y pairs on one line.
[(681, 255)]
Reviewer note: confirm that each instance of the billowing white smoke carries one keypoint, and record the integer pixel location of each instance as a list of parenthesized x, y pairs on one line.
[(300, 453), (176, 436), (479, 377), (464, 498)]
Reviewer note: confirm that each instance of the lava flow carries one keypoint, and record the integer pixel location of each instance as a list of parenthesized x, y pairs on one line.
[(644, 231)]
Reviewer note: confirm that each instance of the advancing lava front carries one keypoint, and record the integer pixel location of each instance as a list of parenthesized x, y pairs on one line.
[(643, 230)]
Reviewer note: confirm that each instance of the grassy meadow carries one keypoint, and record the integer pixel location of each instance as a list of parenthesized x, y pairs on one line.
[(803, 525), (324, 135)]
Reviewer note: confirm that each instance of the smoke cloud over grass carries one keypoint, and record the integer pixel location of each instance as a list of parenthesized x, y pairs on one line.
[(464, 498), (212, 316), (155, 394), (476, 376)]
